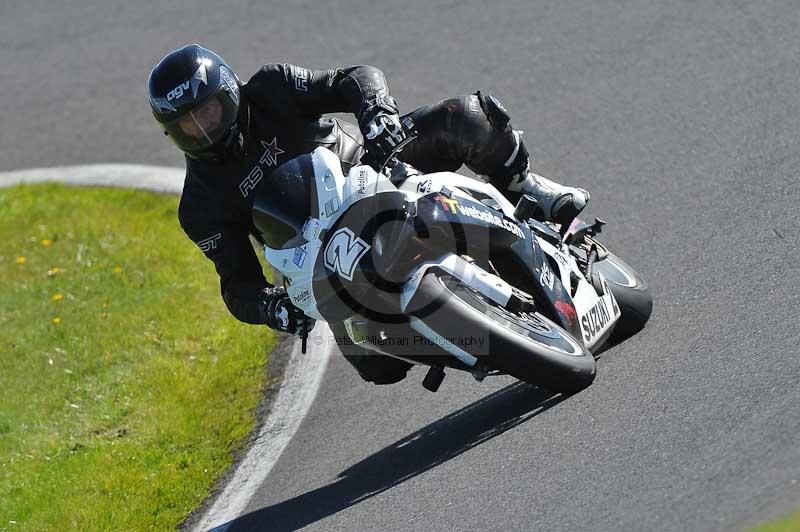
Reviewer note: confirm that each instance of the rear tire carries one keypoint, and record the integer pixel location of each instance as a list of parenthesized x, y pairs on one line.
[(528, 347)]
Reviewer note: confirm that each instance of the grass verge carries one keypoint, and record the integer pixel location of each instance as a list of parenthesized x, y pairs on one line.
[(789, 523), (124, 382)]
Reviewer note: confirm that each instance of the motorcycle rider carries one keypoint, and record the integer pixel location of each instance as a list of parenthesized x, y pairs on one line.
[(235, 134)]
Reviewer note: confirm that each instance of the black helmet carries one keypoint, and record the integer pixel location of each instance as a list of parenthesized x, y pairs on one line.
[(194, 95)]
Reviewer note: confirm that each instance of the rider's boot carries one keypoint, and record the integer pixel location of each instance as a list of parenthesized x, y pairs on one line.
[(556, 203)]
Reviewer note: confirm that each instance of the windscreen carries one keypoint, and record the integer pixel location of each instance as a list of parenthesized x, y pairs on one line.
[(284, 202)]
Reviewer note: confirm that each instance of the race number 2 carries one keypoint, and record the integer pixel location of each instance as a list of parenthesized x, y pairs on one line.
[(343, 252)]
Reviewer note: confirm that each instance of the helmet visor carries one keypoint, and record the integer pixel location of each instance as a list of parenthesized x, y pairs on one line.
[(199, 129)]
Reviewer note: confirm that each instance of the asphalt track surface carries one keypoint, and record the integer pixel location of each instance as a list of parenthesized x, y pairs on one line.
[(682, 118)]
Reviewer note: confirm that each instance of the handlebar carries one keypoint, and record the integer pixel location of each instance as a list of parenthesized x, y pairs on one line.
[(411, 135)]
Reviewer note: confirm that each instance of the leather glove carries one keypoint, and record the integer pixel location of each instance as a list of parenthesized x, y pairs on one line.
[(281, 314), (381, 127)]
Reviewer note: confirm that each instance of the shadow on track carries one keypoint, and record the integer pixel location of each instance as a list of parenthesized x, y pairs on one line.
[(425, 449)]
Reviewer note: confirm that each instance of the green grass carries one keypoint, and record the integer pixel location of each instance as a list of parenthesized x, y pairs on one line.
[(124, 383), (789, 523)]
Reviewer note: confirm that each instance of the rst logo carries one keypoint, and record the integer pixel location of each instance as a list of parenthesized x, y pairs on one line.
[(249, 183), (343, 252), (301, 79), (210, 243)]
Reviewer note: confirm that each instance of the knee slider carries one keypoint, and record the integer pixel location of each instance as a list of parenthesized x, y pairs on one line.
[(518, 162), (497, 114)]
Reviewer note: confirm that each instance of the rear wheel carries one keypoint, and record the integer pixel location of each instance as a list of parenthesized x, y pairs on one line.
[(526, 346)]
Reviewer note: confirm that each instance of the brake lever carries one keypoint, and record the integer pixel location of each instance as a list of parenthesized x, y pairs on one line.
[(412, 135)]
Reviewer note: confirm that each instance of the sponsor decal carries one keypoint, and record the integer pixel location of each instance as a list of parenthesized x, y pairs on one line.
[(328, 182), (423, 187), (343, 252), (448, 204), (207, 244), (567, 311), (331, 207), (594, 320), (412, 284), (562, 260), (250, 182), (301, 297), (301, 79), (230, 81), (541, 326), (453, 206), (311, 229), (194, 82), (361, 182), (271, 152), (546, 277), (299, 257)]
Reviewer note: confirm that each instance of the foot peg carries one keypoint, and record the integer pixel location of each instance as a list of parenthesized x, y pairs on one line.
[(433, 379)]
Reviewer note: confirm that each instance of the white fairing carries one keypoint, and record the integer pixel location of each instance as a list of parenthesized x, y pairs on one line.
[(597, 315), (486, 283), (419, 185), (337, 192)]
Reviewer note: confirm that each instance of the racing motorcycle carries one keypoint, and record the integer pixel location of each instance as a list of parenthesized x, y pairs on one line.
[(441, 270)]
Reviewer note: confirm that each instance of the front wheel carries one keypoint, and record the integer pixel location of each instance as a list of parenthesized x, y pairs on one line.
[(526, 346), (631, 292)]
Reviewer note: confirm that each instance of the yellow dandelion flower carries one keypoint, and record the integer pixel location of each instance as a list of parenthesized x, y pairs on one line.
[(117, 270), (53, 271), (21, 260), (47, 242), (56, 320), (57, 297)]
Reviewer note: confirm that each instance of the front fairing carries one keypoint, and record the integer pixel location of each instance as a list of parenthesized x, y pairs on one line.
[(549, 292), (348, 281)]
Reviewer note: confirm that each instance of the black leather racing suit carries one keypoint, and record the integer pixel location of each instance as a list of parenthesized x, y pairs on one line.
[(281, 108)]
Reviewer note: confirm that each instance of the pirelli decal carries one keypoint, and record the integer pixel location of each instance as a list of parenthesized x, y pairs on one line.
[(210, 243)]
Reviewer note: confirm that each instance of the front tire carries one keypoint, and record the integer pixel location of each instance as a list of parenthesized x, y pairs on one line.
[(631, 292), (526, 346)]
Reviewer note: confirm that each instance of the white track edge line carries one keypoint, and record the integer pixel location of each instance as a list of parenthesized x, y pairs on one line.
[(303, 373)]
